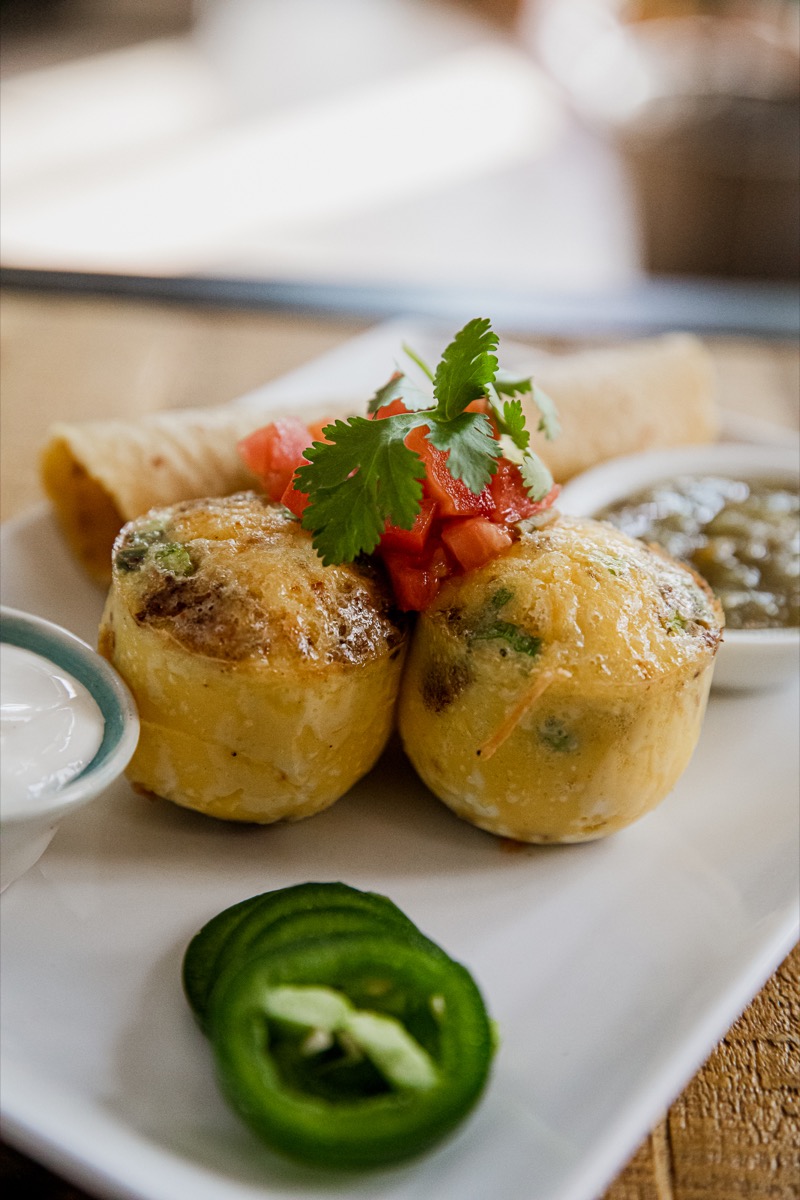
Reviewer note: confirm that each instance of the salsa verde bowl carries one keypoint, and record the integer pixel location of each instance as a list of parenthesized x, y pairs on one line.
[(748, 659), (28, 822)]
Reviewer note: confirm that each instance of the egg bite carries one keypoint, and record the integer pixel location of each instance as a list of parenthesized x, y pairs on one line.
[(557, 693), (266, 682)]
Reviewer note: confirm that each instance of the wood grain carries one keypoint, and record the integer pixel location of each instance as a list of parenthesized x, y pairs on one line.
[(734, 1133)]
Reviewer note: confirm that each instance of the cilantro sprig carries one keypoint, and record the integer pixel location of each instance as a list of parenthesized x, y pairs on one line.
[(364, 474)]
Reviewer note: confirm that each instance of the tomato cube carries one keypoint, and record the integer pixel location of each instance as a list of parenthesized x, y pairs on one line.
[(416, 579), (393, 409), (511, 500), (412, 540), (274, 452), (295, 500), (316, 428), (474, 541), (453, 497)]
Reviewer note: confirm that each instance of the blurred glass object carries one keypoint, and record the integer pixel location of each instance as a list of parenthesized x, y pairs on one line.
[(703, 101)]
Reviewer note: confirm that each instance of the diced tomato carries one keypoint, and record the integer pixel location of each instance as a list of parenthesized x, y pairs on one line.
[(416, 579), (316, 429), (549, 500), (393, 409), (414, 588), (473, 541), (511, 500), (455, 529), (274, 453), (295, 500), (481, 405), (453, 497), (411, 541)]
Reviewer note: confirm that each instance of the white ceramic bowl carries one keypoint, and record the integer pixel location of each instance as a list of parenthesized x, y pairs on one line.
[(747, 658), (25, 834)]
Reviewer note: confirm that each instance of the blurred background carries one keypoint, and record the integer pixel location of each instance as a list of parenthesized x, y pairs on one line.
[(566, 145)]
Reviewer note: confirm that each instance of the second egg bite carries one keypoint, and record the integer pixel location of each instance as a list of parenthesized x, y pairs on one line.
[(266, 682), (557, 693)]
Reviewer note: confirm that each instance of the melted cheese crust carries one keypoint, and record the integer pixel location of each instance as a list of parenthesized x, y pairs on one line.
[(266, 683), (257, 589)]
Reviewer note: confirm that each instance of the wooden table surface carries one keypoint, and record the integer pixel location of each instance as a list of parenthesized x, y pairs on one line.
[(734, 1133)]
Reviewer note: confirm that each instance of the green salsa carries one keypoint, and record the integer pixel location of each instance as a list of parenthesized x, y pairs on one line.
[(742, 537)]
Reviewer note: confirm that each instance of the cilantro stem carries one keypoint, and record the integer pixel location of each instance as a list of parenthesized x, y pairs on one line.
[(420, 362)]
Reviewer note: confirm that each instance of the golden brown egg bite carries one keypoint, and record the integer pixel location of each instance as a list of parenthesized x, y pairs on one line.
[(266, 682), (557, 693)]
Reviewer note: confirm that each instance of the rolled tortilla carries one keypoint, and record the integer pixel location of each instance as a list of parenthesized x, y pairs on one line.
[(100, 474), (643, 396)]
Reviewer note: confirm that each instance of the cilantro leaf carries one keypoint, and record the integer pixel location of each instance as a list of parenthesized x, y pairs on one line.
[(536, 476), (513, 424), (506, 384), (468, 366), (510, 385), (363, 475), (510, 421), (391, 390), (549, 423), (400, 387), (508, 414), (473, 449), (414, 397)]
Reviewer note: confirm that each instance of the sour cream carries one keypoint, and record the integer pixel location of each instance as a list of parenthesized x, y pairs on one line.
[(51, 727)]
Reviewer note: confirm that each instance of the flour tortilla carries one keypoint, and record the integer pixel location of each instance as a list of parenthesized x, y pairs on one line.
[(611, 401), (100, 474), (646, 395)]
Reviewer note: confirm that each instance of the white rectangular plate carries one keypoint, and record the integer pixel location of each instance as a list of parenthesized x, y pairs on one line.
[(611, 968)]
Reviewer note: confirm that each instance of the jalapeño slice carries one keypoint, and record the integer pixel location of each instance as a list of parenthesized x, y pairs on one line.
[(310, 924), (353, 1049), (234, 932), (202, 951)]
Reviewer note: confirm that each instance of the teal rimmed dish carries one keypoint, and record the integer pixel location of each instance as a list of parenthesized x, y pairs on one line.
[(26, 832)]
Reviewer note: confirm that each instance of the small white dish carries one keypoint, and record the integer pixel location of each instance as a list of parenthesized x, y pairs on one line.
[(748, 659), (27, 831)]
